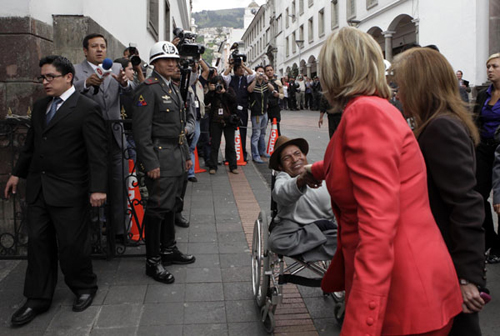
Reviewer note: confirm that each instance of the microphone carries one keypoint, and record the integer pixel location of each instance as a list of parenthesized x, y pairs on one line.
[(103, 70)]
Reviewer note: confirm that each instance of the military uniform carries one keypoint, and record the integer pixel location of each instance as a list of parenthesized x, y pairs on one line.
[(159, 121)]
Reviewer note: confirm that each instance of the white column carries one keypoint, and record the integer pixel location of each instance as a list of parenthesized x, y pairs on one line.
[(309, 65), (388, 44)]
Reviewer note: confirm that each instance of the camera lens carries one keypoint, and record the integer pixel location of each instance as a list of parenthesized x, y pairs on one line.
[(135, 60)]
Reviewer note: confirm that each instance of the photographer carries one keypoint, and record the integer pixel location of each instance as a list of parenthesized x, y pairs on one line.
[(132, 54), (239, 83), (292, 93), (274, 108), (259, 91), (223, 118)]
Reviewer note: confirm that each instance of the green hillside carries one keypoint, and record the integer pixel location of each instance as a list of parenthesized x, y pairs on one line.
[(220, 18)]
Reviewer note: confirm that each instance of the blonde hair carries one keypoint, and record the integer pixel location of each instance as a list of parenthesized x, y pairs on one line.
[(493, 56), (351, 65), (428, 88)]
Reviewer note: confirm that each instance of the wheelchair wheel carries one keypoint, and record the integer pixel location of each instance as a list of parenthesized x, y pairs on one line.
[(260, 260), (267, 318)]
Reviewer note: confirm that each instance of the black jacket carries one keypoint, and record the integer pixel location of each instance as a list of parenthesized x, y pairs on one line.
[(458, 209), (67, 159)]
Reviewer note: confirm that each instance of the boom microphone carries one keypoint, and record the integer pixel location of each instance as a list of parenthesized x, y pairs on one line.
[(103, 70)]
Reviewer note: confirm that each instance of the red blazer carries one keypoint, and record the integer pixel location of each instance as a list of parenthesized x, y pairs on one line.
[(391, 258)]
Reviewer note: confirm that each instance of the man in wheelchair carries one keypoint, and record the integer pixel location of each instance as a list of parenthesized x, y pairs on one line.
[(305, 227)]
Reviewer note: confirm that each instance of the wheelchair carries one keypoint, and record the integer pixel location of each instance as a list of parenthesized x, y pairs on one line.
[(270, 272)]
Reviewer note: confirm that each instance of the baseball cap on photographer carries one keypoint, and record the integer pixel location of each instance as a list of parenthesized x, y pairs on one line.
[(163, 49)]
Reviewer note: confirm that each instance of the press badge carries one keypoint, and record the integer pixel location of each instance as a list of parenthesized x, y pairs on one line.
[(196, 104), (240, 107), (221, 111)]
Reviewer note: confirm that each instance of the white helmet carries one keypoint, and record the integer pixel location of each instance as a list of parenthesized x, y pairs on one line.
[(163, 49), (387, 66)]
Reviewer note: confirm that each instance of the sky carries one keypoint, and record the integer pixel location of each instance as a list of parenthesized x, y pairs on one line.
[(199, 5)]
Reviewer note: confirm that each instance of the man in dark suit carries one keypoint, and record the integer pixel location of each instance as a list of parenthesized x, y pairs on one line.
[(105, 91), (463, 86), (64, 161)]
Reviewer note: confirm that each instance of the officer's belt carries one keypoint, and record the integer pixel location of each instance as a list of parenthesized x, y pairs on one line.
[(163, 141)]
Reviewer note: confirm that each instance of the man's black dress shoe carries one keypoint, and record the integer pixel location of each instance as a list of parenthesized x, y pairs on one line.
[(180, 221), (26, 314), (174, 256), (192, 179), (159, 273), (82, 302)]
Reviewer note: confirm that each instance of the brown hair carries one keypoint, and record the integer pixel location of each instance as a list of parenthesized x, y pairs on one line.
[(428, 88), (351, 65)]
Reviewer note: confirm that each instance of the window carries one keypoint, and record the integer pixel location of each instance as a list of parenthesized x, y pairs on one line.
[(279, 25), (287, 19), (293, 11), (301, 32), (371, 3), (294, 45), (310, 27), (311, 2), (301, 7), (153, 18), (321, 22), (335, 15), (351, 9), (287, 47)]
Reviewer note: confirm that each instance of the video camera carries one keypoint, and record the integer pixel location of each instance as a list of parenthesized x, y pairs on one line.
[(189, 52), (134, 55), (188, 49), (235, 56)]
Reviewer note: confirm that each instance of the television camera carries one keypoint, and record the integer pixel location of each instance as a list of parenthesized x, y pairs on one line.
[(236, 58), (189, 52)]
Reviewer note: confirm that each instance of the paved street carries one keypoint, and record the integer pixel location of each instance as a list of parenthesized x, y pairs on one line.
[(212, 296)]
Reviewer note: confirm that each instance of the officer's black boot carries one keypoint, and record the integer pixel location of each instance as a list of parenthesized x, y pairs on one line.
[(154, 268), (170, 254)]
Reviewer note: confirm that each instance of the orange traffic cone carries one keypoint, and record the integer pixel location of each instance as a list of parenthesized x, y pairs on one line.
[(240, 160), (197, 168), (134, 196), (273, 136)]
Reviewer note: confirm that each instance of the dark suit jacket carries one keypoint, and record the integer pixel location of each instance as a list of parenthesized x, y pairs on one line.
[(67, 158), (480, 100), (458, 209)]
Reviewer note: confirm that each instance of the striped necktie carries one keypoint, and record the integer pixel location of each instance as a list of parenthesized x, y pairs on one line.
[(53, 109)]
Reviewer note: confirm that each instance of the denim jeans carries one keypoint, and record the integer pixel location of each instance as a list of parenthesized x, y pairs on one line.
[(192, 146), (259, 124)]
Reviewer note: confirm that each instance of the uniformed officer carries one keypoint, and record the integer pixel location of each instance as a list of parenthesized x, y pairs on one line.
[(159, 121)]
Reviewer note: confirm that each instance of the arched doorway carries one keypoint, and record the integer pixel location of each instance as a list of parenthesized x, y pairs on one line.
[(312, 67), (295, 70), (302, 67), (376, 33), (403, 32)]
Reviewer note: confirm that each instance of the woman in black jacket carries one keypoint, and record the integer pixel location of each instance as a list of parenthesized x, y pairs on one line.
[(223, 119), (447, 136)]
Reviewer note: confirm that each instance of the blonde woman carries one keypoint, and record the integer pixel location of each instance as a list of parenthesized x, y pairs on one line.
[(447, 137), (487, 114), (391, 258)]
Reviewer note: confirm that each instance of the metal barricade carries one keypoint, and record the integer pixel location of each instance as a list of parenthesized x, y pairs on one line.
[(13, 234)]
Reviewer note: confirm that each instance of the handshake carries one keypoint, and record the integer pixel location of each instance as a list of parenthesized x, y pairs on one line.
[(307, 178)]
